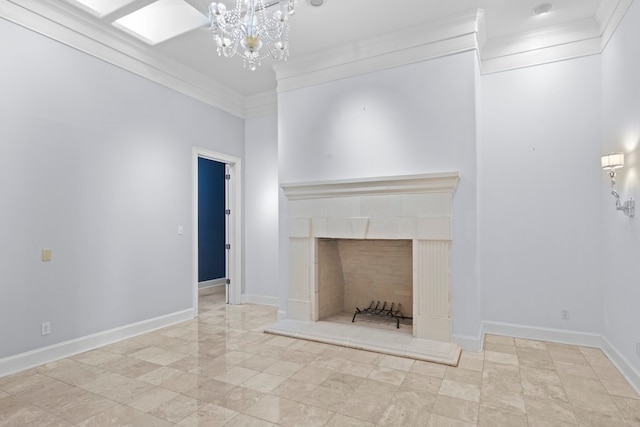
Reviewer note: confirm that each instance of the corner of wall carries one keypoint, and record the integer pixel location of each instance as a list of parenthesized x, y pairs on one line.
[(627, 369), (470, 343), (584, 339)]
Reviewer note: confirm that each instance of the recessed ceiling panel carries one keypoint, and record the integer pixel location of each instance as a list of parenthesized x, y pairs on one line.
[(101, 7), (162, 21)]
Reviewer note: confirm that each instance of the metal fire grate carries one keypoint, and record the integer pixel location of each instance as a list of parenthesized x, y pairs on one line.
[(382, 312)]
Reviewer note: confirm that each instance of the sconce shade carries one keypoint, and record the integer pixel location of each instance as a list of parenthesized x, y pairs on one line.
[(612, 161)]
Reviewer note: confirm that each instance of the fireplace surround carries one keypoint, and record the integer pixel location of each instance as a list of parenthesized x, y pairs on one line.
[(415, 208)]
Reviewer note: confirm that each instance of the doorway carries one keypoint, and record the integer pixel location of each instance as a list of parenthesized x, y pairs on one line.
[(232, 215), (212, 223)]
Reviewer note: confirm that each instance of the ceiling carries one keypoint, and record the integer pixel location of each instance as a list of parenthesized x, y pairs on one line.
[(508, 27)]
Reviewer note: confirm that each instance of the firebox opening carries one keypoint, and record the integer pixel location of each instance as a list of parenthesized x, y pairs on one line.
[(372, 276)]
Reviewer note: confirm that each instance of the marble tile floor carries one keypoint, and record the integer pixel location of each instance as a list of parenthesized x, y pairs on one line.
[(222, 370)]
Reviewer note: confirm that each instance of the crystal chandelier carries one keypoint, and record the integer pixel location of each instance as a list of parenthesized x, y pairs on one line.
[(257, 28)]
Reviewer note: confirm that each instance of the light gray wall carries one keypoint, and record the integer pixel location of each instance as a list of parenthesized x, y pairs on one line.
[(621, 133), (419, 118), (540, 181), (95, 164), (261, 207)]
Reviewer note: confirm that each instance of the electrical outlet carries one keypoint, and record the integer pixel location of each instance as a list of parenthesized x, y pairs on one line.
[(564, 314), (46, 328)]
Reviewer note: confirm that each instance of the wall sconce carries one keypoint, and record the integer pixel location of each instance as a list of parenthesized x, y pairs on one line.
[(611, 162)]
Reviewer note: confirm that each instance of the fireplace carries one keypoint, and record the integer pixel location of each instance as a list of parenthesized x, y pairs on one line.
[(392, 213), (371, 278)]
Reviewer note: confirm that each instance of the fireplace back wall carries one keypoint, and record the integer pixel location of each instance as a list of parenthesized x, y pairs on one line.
[(353, 272)]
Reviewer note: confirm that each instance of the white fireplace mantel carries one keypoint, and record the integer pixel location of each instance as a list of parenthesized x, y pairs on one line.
[(415, 207), (406, 184)]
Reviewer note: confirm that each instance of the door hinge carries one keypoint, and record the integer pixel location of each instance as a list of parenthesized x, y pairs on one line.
[(227, 246), (227, 212), (228, 281), (227, 176)]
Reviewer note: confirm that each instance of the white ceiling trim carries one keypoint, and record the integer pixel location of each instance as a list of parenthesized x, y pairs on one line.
[(552, 44), (449, 35), (541, 39), (540, 56), (261, 104), (610, 15), (377, 63), (455, 34), (63, 24)]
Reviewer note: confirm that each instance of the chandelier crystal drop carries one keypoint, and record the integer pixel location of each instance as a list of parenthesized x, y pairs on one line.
[(256, 28)]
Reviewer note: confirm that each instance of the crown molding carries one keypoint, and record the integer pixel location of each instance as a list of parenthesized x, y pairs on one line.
[(450, 35), (261, 104), (541, 39), (454, 34), (557, 43), (62, 23), (609, 15), (541, 56), (543, 46)]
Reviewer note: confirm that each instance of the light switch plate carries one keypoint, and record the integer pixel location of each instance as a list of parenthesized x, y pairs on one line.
[(46, 255)]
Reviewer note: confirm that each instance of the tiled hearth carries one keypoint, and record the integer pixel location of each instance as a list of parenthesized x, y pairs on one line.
[(416, 208)]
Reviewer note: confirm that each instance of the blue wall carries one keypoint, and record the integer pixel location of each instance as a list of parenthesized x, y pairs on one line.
[(211, 220)]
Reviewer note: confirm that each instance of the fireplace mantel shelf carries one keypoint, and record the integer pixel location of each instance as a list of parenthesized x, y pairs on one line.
[(407, 184)]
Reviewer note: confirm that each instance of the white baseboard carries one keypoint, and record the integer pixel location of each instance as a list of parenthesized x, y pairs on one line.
[(628, 371), (212, 283), (40, 356), (584, 339), (563, 336), (260, 299)]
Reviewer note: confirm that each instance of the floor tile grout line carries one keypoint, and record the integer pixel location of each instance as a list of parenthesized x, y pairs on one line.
[(237, 332)]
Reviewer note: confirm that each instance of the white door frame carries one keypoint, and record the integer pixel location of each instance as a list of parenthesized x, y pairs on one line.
[(235, 230)]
